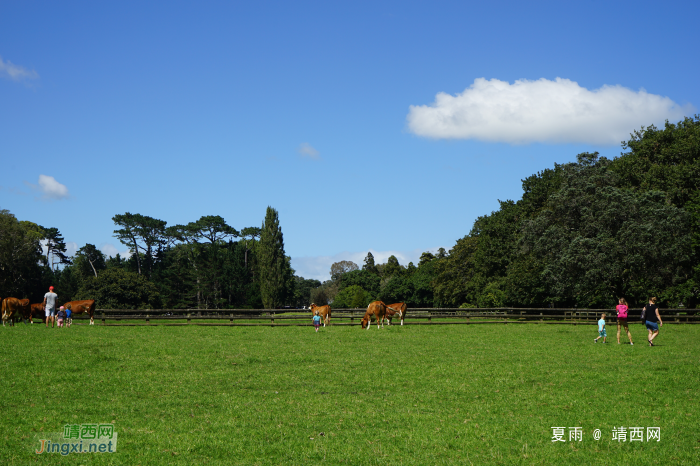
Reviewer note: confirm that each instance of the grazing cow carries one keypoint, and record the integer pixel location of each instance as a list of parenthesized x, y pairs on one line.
[(25, 309), (79, 307), (393, 309), (37, 310), (323, 311), (12, 308), (376, 308)]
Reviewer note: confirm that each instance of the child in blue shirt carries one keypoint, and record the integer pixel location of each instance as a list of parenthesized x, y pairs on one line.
[(601, 330), (317, 320), (69, 315)]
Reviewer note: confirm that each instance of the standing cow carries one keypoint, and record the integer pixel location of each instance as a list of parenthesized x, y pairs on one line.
[(37, 310), (13, 308), (393, 309), (85, 306), (323, 311)]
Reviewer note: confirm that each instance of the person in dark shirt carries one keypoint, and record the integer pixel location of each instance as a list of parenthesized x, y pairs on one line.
[(61, 316), (653, 320)]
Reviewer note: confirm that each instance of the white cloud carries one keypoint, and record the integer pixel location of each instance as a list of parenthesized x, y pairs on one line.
[(50, 188), (319, 267), (110, 251), (16, 72), (306, 150), (558, 111), (71, 248)]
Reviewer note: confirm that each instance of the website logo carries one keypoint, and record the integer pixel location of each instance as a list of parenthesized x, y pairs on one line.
[(79, 438)]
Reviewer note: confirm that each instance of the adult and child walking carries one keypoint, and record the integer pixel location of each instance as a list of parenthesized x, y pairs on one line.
[(650, 317), (62, 316)]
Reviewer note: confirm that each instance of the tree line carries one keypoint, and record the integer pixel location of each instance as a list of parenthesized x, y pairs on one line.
[(588, 232), (204, 264), (583, 234)]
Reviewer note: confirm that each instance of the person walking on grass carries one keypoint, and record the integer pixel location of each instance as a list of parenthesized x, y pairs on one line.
[(50, 306), (601, 330), (69, 315), (622, 309), (60, 316), (317, 320), (652, 320)]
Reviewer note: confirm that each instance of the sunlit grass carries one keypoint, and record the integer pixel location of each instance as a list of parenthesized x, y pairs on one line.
[(449, 394)]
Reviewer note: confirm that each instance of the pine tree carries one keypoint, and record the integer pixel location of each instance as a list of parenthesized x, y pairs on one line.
[(55, 248), (271, 262), (369, 263)]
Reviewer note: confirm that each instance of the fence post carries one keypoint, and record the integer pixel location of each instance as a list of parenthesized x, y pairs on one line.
[(148, 318), (541, 319), (677, 317), (272, 318), (430, 316), (188, 317), (230, 320), (103, 318)]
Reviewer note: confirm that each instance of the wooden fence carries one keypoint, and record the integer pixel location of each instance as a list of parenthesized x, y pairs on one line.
[(414, 316)]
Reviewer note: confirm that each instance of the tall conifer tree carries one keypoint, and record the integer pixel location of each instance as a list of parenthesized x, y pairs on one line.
[(271, 261)]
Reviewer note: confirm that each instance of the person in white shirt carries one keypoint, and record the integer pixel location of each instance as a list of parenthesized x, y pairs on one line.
[(50, 306)]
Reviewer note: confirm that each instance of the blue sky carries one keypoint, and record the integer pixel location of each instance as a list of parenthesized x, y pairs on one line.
[(382, 126)]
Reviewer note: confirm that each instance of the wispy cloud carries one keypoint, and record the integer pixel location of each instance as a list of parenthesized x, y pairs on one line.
[(50, 188), (319, 267), (558, 111), (110, 251), (306, 150), (13, 190), (15, 72)]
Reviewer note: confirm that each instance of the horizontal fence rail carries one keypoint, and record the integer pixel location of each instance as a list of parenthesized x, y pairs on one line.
[(414, 316)]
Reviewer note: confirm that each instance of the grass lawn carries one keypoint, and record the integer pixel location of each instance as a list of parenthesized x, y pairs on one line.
[(424, 395)]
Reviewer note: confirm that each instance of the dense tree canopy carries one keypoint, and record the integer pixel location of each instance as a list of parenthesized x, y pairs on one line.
[(588, 232), (120, 289), (21, 257), (600, 241)]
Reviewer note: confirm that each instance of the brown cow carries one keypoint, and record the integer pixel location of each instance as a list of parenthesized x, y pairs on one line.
[(25, 308), (37, 310), (377, 308), (13, 308), (323, 311), (86, 305), (393, 309), (8, 306)]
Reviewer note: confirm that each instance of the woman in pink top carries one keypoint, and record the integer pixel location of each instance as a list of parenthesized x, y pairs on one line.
[(622, 309)]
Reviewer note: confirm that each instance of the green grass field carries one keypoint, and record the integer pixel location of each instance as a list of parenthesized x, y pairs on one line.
[(424, 395)]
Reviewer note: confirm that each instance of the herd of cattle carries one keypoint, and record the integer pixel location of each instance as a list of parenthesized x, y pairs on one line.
[(378, 309), (15, 309)]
